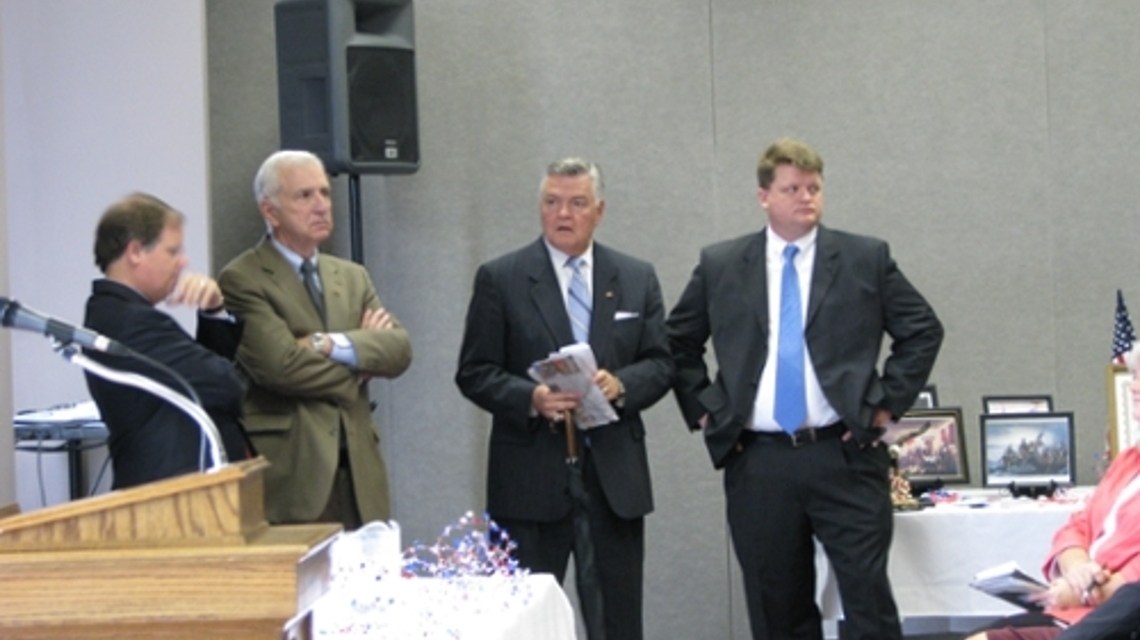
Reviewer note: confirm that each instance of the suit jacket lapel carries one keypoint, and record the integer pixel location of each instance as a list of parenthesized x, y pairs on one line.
[(607, 294), (547, 295), (823, 273), (333, 286), (288, 282), (754, 273)]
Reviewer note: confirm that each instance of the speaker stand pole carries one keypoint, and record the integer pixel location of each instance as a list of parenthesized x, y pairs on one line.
[(355, 219)]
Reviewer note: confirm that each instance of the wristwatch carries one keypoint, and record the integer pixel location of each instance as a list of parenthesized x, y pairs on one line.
[(320, 342)]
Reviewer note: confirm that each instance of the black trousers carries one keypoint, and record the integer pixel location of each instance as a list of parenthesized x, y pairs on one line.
[(779, 497), (341, 506), (619, 552)]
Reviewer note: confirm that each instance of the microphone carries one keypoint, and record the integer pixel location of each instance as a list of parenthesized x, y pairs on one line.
[(18, 316)]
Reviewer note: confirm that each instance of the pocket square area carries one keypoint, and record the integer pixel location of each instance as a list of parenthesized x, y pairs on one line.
[(625, 315)]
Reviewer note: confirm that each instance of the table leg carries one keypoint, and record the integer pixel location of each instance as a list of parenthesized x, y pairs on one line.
[(75, 468)]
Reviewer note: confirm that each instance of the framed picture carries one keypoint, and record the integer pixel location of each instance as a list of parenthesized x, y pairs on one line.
[(931, 445), (1017, 404), (927, 398), (1027, 449), (1123, 427)]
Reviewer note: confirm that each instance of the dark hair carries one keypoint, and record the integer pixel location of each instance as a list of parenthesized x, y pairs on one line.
[(787, 151), (139, 216)]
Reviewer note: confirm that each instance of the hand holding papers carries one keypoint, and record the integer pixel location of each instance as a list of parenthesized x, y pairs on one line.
[(572, 369), (1008, 582)]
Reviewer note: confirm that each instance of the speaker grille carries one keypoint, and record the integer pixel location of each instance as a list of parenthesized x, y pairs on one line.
[(382, 105)]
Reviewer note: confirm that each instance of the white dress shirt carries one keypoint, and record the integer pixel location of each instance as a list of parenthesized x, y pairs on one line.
[(820, 413)]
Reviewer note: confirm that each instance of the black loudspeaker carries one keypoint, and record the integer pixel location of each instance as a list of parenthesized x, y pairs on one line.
[(346, 83)]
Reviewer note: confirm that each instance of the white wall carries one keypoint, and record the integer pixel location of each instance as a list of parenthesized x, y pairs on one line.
[(99, 99), (7, 463)]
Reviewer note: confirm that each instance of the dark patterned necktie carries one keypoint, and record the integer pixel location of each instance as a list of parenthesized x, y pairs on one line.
[(309, 275)]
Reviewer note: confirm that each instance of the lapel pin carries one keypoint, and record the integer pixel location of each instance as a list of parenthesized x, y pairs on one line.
[(609, 294)]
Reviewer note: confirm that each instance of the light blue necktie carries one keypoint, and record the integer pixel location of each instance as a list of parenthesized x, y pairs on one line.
[(578, 303), (791, 399)]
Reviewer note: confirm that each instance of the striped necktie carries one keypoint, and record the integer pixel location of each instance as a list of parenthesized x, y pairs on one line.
[(578, 302)]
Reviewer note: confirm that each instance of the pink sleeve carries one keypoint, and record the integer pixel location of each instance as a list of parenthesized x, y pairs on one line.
[(1122, 551), (1077, 532)]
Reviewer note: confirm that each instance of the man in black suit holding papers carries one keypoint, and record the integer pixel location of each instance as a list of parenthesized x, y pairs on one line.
[(562, 289)]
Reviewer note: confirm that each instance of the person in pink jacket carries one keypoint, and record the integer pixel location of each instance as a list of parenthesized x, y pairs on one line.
[(1093, 555)]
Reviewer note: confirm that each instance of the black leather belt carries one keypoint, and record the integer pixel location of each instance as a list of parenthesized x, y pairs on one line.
[(801, 438)]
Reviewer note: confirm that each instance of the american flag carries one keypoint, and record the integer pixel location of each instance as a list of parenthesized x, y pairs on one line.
[(1123, 336)]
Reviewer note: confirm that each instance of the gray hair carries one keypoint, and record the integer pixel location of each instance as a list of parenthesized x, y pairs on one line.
[(267, 182), (573, 167)]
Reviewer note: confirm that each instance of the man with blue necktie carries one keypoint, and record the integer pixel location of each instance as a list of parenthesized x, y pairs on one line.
[(797, 314), (562, 289)]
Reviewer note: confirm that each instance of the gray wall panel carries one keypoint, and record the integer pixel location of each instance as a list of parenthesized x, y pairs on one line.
[(1094, 97), (241, 63)]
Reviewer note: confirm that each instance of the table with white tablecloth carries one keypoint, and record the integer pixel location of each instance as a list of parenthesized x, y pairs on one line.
[(524, 607), (937, 551)]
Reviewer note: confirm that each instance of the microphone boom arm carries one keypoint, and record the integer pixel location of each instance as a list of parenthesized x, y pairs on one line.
[(206, 425)]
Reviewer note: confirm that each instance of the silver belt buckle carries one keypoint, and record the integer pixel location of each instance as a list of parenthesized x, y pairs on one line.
[(802, 436)]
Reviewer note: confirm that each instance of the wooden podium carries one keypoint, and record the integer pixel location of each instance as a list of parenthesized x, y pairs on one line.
[(187, 557)]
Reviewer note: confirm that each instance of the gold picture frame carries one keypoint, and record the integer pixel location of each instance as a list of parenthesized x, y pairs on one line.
[(1123, 427), (931, 445)]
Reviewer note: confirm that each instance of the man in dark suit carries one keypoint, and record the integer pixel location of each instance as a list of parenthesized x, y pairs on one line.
[(138, 247), (519, 313), (797, 406)]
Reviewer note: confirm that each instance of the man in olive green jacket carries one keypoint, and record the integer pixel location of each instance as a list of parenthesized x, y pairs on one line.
[(315, 333)]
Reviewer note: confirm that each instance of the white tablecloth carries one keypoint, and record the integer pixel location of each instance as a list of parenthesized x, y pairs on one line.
[(937, 551), (531, 607)]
